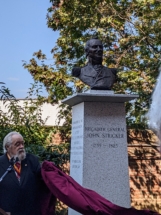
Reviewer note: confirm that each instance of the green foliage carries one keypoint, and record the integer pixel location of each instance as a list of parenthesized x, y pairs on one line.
[(59, 154), (27, 119), (5, 92), (131, 37)]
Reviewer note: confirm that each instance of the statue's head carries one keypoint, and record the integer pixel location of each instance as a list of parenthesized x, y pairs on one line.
[(94, 50)]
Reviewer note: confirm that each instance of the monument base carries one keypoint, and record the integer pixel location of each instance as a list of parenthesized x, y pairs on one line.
[(99, 158)]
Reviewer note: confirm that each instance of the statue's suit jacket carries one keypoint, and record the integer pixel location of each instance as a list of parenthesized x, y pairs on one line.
[(90, 77), (19, 197)]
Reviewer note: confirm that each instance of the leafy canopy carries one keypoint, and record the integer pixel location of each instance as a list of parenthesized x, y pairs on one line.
[(130, 32)]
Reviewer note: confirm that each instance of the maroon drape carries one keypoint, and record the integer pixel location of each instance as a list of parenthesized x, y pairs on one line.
[(85, 201)]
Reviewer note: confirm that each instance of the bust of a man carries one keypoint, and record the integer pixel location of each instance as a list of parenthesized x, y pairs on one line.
[(94, 74)]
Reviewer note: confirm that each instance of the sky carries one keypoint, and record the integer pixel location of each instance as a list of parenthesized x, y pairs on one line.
[(23, 31)]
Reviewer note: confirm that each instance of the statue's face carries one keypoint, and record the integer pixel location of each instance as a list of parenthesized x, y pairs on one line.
[(95, 49)]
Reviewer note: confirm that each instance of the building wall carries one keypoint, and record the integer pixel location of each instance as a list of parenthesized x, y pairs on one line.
[(144, 170), (49, 111)]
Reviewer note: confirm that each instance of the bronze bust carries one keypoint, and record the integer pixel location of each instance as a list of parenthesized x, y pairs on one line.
[(94, 74)]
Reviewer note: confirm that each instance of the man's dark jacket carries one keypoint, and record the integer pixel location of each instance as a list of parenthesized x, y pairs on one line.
[(21, 198)]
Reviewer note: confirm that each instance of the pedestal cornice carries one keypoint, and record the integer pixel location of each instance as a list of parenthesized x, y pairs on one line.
[(99, 97)]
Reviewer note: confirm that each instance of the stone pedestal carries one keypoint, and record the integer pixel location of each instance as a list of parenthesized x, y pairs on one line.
[(99, 159)]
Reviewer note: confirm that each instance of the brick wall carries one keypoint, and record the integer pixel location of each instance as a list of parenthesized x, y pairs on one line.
[(144, 170)]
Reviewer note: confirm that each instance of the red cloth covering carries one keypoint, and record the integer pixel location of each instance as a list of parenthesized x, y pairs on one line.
[(45, 201), (85, 201)]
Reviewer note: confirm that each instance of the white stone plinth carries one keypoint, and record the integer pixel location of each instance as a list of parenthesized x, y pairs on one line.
[(99, 159)]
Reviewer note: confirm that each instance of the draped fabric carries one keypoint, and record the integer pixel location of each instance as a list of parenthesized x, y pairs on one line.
[(85, 201)]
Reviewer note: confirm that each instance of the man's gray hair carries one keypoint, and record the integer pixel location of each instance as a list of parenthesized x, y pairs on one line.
[(8, 139)]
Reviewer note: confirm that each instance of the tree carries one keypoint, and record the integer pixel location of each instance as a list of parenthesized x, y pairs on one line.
[(131, 37)]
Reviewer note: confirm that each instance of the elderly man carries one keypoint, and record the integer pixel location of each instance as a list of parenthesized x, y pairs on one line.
[(94, 74), (19, 188)]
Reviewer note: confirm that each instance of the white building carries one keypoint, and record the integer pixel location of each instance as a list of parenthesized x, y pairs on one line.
[(49, 111)]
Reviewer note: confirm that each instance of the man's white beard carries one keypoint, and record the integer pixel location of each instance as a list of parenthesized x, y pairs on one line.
[(21, 155)]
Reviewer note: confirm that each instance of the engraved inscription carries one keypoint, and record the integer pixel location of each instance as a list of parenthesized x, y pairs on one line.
[(75, 166), (77, 145), (91, 135), (76, 163), (114, 145), (107, 135), (103, 133), (100, 132), (94, 133), (99, 145), (116, 129)]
